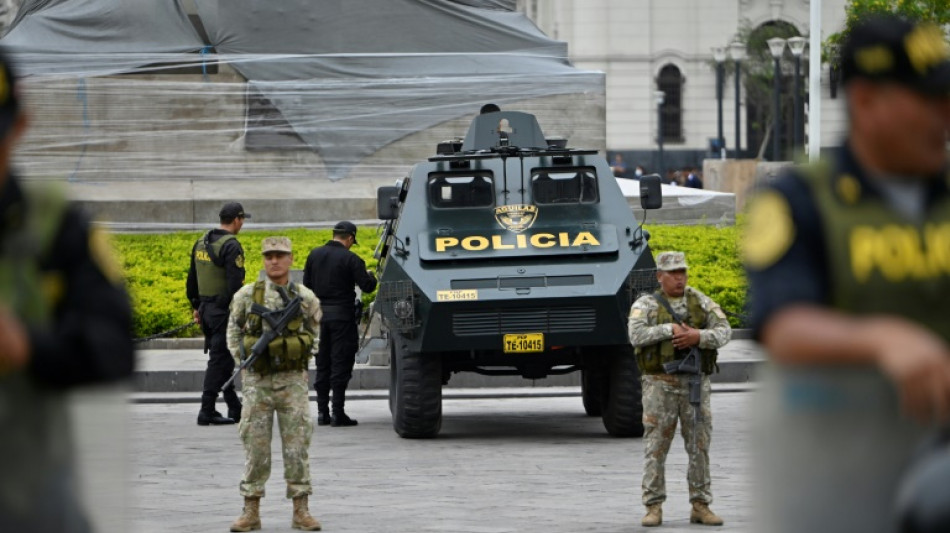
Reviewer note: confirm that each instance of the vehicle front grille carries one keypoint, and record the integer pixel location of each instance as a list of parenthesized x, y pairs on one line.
[(530, 320)]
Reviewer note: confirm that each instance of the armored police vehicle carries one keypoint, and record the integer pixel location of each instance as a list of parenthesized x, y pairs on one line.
[(509, 254)]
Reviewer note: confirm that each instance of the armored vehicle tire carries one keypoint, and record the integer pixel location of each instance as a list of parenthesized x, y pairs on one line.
[(415, 395), (593, 386), (623, 409)]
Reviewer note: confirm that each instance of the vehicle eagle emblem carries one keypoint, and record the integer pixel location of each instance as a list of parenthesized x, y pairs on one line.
[(516, 217)]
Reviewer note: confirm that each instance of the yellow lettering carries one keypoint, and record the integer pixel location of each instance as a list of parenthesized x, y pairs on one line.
[(564, 239), (201, 255), (475, 243), (937, 239), (585, 237), (862, 252), (521, 240), (441, 243), (498, 245), (538, 243), (890, 251)]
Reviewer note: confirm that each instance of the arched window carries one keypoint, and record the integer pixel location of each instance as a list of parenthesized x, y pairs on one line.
[(670, 81)]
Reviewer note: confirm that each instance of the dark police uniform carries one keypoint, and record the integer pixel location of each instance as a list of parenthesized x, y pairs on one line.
[(331, 272), (57, 276), (215, 274), (834, 445)]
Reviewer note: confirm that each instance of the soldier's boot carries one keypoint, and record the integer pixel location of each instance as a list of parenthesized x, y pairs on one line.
[(702, 514), (250, 518), (654, 516), (302, 519)]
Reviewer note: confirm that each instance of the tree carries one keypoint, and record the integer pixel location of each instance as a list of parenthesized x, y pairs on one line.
[(758, 78), (937, 11)]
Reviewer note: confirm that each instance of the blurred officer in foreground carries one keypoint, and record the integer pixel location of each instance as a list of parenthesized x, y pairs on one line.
[(65, 320), (275, 383), (332, 271), (849, 271), (663, 327), (215, 274)]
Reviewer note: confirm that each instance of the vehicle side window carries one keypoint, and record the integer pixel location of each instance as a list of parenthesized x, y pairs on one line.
[(447, 191), (560, 186)]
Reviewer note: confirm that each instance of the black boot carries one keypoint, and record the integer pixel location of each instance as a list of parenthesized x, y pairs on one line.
[(323, 409), (341, 420), (207, 416)]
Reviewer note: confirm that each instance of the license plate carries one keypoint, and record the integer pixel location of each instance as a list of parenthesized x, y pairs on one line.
[(524, 342)]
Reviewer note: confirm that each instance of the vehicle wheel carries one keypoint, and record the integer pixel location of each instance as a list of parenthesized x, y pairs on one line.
[(623, 410), (392, 375), (593, 386), (416, 393)]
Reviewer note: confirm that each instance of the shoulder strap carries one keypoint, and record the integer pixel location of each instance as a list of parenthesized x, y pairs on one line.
[(658, 295), (210, 249), (258, 296)]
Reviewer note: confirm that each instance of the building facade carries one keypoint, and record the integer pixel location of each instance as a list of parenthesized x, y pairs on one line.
[(645, 46)]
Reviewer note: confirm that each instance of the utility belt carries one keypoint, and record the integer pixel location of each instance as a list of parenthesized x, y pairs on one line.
[(284, 354), (651, 358), (338, 312)]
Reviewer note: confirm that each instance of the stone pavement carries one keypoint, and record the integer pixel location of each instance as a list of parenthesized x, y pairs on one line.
[(500, 465)]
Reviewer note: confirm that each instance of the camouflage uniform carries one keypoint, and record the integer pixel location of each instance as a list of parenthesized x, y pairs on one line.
[(283, 392), (666, 397)]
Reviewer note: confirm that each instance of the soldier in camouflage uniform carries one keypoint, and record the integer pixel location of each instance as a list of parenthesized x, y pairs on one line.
[(275, 383), (657, 340)]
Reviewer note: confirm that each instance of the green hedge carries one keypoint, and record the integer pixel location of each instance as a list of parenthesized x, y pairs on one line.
[(156, 266)]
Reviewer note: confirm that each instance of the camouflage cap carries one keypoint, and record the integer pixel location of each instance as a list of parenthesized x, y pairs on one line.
[(671, 261), (276, 244)]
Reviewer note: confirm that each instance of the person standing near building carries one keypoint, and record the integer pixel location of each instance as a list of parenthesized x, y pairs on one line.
[(275, 383), (663, 326), (332, 271), (215, 274), (849, 277), (65, 321)]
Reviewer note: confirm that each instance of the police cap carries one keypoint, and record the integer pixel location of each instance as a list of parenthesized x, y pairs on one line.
[(887, 48), (667, 261), (345, 227), (233, 210)]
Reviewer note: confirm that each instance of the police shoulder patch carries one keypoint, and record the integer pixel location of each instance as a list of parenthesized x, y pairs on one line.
[(103, 255), (239, 261), (769, 230)]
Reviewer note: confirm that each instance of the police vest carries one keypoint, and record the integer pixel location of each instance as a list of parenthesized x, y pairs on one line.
[(290, 351), (879, 261), (209, 266), (651, 358)]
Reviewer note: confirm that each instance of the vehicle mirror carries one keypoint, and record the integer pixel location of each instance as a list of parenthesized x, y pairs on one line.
[(387, 203), (651, 195)]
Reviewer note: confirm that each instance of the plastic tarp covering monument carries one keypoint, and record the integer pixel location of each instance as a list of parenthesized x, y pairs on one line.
[(294, 88)]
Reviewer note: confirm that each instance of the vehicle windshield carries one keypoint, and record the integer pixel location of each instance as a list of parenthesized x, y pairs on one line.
[(561, 186), (459, 190)]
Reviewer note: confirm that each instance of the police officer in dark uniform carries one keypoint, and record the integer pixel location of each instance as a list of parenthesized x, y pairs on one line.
[(849, 270), (331, 272), (216, 273), (65, 320)]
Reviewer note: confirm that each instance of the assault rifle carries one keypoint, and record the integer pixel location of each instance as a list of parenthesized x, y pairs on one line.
[(277, 319), (691, 364)]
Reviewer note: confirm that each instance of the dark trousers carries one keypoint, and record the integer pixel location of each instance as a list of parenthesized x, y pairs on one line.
[(339, 340), (214, 323)]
